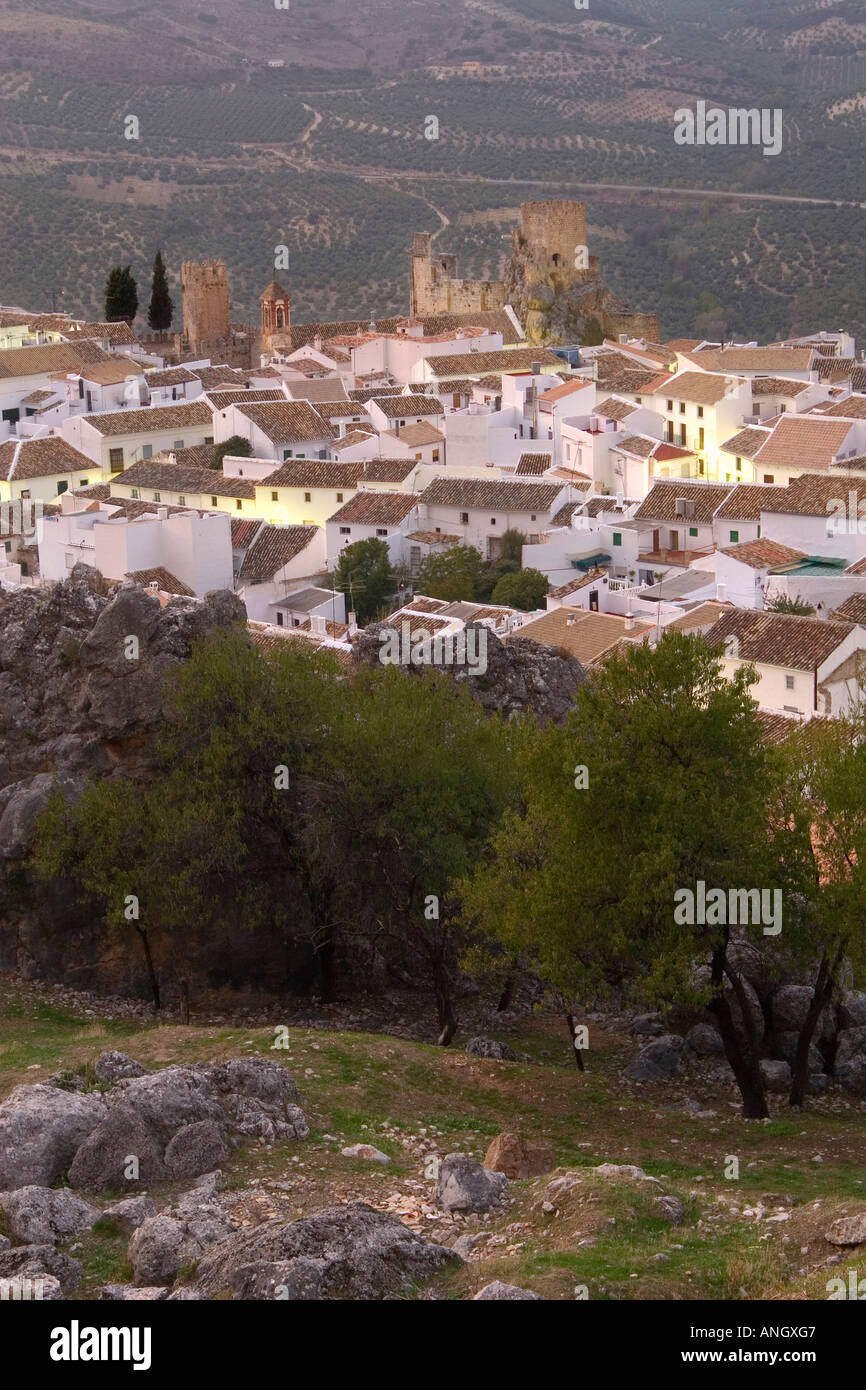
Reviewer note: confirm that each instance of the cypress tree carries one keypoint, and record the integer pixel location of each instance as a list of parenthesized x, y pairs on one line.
[(161, 310)]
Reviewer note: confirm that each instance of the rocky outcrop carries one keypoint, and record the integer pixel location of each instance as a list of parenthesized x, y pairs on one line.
[(464, 1184), (349, 1252), (160, 1127), (520, 674)]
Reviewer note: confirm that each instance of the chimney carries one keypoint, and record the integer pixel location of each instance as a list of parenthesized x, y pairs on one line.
[(318, 623), (162, 513), (352, 620), (317, 342), (620, 501), (629, 622), (721, 591)]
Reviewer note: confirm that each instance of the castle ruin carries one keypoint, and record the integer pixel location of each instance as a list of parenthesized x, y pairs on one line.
[(551, 281)]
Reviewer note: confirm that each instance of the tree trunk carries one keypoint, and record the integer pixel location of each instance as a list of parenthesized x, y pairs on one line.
[(507, 994), (742, 1053), (572, 1033), (154, 982), (184, 1002), (327, 954), (445, 1014), (822, 993)]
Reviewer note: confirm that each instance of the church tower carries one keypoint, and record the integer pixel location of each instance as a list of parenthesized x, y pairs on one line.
[(276, 316)]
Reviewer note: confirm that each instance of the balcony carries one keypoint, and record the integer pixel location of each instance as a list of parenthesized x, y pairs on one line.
[(682, 558)]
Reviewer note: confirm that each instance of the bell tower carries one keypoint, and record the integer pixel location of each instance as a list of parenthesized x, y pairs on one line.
[(276, 315)]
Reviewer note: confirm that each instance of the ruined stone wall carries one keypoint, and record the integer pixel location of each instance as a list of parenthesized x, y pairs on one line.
[(434, 286), (547, 240)]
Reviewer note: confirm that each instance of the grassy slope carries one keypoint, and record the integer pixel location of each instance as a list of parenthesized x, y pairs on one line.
[(409, 1098)]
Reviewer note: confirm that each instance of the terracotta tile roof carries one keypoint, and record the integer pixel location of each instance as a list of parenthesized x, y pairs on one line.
[(49, 357), (778, 386), (211, 377), (342, 410), (151, 419), (568, 388), (362, 394), (658, 383), (853, 610), (109, 373), (780, 639), (660, 502), (385, 470), (236, 395), (270, 639), (652, 354), (243, 531), (532, 465), (196, 456), (376, 508), (288, 422), (274, 291), (351, 438), (39, 397), (421, 604), (641, 445), (481, 494), (747, 500), (163, 578), (746, 443), (858, 567), (401, 407), (613, 409), (169, 477), (310, 473), (118, 334), (587, 636), (683, 344), (432, 538), (273, 548), (168, 376), (41, 458), (752, 359), (815, 494), (415, 436), (573, 585), (763, 554), (804, 441), (833, 368), (499, 360), (852, 408), (338, 630), (775, 726), (700, 388), (700, 618)]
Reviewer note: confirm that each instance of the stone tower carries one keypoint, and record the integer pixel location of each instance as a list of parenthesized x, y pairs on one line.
[(276, 315), (549, 244), (205, 290)]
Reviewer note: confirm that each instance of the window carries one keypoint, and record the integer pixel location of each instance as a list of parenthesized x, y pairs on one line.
[(493, 521), (789, 682), (617, 538), (7, 546), (135, 493), (769, 478), (693, 530), (670, 406), (83, 482), (739, 463), (418, 458), (533, 539), (782, 409), (380, 531), (181, 501), (701, 437), (274, 497), (147, 451), (700, 465), (308, 497), (208, 439), (682, 407), (178, 444), (239, 504), (287, 453), (700, 412), (464, 520), (533, 517), (639, 400), (213, 501), (157, 497), (435, 455), (682, 436), (279, 618), (115, 460), (345, 530), (61, 487), (759, 533), (735, 536), (339, 497)]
